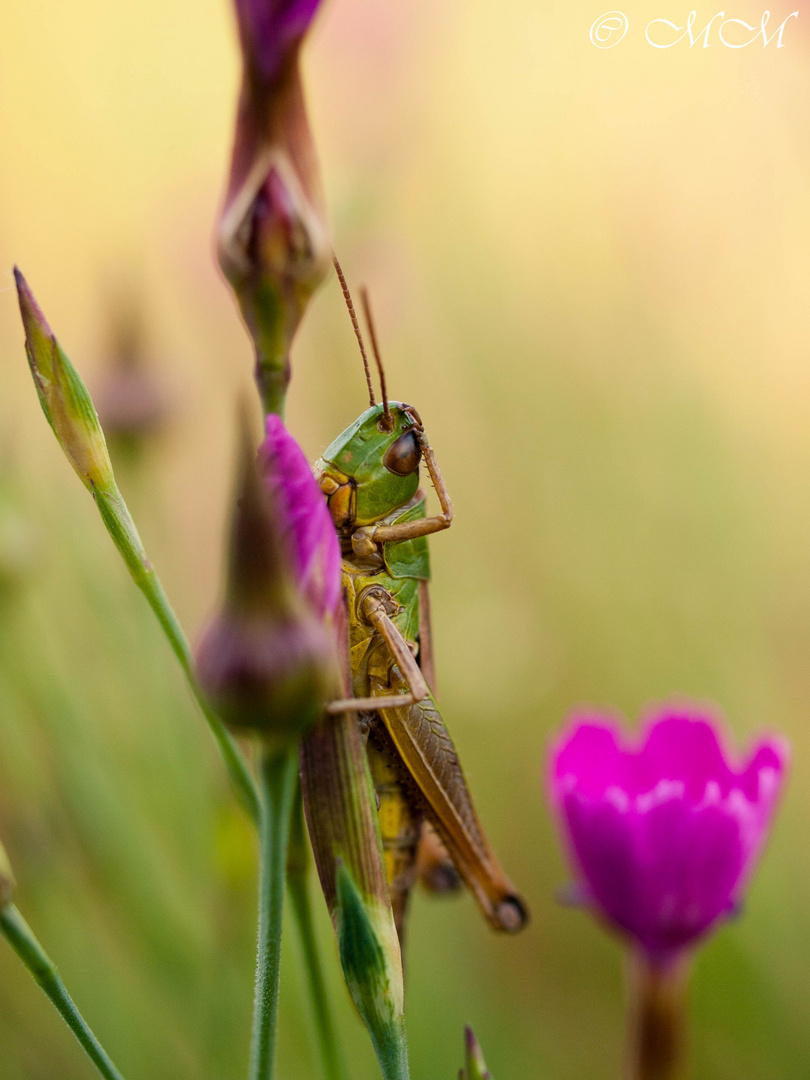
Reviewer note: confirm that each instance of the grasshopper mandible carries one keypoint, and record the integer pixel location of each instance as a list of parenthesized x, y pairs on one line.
[(370, 477)]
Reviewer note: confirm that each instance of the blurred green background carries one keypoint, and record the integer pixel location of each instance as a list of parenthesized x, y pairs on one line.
[(590, 271)]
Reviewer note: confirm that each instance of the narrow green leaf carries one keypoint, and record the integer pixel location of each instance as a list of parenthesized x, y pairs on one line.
[(22, 940)]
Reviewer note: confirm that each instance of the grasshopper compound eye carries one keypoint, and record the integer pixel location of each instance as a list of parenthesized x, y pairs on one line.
[(403, 456)]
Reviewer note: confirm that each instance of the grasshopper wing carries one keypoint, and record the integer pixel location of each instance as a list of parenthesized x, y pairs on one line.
[(424, 744)]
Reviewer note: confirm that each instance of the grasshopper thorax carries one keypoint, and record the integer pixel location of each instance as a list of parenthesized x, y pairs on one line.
[(372, 469)]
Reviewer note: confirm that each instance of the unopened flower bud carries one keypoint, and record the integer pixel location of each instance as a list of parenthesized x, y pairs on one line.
[(475, 1066), (132, 402), (344, 831), (267, 661), (304, 517), (274, 243), (372, 968), (7, 883), (270, 32), (64, 397), (268, 675)]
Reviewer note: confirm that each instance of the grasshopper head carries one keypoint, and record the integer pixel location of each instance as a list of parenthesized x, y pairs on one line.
[(371, 469)]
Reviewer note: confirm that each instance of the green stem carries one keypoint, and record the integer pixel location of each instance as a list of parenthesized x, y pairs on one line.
[(298, 862), (392, 1052), (272, 370), (22, 940), (279, 774), (121, 528)]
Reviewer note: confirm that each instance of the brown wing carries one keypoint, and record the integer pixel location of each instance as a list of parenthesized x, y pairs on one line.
[(424, 744)]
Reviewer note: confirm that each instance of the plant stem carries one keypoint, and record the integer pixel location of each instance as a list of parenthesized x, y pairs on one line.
[(22, 940), (298, 862), (121, 528), (656, 1018), (279, 779)]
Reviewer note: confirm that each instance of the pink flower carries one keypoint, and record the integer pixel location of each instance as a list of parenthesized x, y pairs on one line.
[(305, 521), (665, 832)]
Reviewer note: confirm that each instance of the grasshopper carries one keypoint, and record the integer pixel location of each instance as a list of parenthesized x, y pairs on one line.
[(370, 477)]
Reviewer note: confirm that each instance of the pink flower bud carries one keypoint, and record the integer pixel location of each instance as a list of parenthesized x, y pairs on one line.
[(271, 31), (304, 517), (268, 660), (274, 245)]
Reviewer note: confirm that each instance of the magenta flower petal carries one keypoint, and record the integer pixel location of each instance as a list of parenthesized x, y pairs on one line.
[(307, 524), (663, 836), (681, 747), (271, 30), (593, 754)]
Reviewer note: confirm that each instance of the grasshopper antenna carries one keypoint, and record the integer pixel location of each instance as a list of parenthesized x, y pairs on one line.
[(388, 422), (348, 298)]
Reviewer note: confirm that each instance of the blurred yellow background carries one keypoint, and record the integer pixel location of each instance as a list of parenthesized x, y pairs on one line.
[(590, 271)]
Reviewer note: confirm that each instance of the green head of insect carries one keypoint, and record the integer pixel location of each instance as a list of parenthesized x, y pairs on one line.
[(373, 467)]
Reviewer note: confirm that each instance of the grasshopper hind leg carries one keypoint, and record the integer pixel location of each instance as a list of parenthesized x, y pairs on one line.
[(427, 752), (435, 869)]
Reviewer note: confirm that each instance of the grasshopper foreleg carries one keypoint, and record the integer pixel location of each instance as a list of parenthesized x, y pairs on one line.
[(366, 538), (373, 610)]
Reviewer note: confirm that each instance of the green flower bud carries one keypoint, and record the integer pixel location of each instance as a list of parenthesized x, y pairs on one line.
[(63, 396), (475, 1067), (372, 968), (344, 830)]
